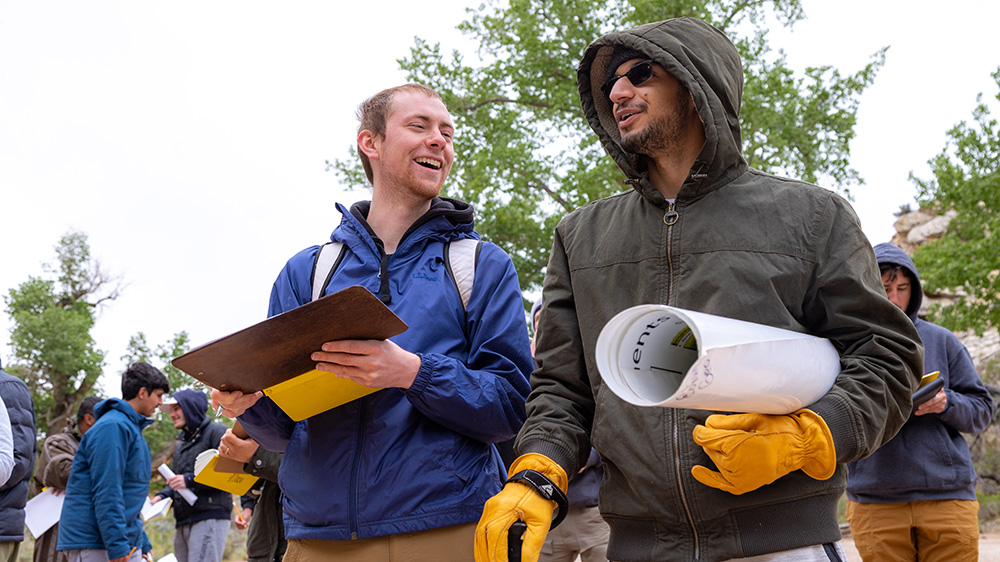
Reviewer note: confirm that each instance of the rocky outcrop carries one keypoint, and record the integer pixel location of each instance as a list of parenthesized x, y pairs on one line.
[(918, 227)]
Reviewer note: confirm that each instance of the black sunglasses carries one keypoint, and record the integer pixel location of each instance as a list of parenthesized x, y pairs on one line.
[(637, 75)]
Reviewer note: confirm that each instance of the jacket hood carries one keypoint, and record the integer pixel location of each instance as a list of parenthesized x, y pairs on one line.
[(194, 405), (707, 63), (109, 404), (890, 254), (458, 213)]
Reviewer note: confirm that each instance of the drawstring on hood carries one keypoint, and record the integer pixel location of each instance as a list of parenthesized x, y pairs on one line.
[(707, 63), (890, 254)]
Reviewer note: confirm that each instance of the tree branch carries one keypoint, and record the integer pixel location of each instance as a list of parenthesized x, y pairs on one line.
[(507, 100)]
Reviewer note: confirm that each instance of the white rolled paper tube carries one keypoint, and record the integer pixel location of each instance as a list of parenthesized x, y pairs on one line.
[(188, 495), (657, 355)]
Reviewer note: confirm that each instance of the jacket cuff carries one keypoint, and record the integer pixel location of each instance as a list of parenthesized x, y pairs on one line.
[(423, 379), (554, 451), (838, 420)]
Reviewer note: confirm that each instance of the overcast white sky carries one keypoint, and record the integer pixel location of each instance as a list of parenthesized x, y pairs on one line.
[(187, 139)]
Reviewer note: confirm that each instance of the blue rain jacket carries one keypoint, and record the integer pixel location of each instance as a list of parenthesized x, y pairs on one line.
[(400, 461), (108, 484)]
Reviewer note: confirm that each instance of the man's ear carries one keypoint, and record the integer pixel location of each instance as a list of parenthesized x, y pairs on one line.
[(369, 143)]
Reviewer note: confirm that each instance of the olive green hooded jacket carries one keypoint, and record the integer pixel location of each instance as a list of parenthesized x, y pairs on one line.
[(738, 243)]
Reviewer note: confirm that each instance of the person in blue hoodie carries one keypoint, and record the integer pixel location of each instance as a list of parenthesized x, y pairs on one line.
[(915, 498), (202, 528), (109, 480), (401, 474)]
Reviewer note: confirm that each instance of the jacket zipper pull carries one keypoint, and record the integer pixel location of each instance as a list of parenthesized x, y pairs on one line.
[(671, 216)]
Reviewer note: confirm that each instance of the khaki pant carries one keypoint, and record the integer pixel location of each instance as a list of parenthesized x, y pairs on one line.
[(583, 533), (447, 544), (925, 531)]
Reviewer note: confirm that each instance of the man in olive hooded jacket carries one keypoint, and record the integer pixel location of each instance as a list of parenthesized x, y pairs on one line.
[(702, 231)]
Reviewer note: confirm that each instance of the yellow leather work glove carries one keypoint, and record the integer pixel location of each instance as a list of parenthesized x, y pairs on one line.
[(752, 450), (515, 502)]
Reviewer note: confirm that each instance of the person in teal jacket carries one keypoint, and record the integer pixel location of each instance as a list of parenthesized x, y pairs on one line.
[(109, 480), (411, 465)]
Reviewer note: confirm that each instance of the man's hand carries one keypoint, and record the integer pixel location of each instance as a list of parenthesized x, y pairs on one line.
[(155, 499), (753, 450), (518, 502), (243, 518), (935, 405), (372, 363), (177, 482), (235, 402), (240, 450)]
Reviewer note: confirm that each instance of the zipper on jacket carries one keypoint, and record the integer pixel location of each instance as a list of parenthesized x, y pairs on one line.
[(356, 466), (383, 275), (670, 218), (680, 486)]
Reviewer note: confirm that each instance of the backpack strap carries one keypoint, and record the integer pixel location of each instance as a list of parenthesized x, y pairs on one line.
[(462, 256), (327, 259)]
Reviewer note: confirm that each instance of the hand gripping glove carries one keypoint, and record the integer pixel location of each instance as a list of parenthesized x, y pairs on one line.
[(523, 498), (752, 450)]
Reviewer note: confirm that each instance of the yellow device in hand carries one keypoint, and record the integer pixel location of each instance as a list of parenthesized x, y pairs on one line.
[(928, 378)]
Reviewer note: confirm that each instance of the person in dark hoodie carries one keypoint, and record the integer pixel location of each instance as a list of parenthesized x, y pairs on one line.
[(915, 498), (702, 231), (14, 492), (109, 479), (202, 528)]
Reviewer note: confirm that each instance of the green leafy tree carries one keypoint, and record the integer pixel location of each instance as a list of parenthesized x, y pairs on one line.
[(966, 178), (525, 154), (52, 316)]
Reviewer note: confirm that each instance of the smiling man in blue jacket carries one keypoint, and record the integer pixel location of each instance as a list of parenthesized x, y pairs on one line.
[(109, 480), (402, 473), (915, 498)]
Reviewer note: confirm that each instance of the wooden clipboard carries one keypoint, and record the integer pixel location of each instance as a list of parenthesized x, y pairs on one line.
[(279, 348)]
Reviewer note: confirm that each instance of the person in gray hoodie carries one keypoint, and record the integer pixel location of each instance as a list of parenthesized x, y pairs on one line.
[(915, 498), (702, 231)]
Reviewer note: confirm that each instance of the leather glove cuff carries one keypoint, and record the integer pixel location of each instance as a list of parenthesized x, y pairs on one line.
[(821, 461), (545, 488)]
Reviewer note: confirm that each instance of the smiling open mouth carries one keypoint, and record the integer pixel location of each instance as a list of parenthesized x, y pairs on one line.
[(429, 163)]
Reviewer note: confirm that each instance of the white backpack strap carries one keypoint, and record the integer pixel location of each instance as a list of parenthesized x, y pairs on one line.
[(327, 259), (462, 257)]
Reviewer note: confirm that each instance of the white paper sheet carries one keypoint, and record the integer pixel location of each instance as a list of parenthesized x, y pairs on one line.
[(156, 510), (43, 511), (656, 355)]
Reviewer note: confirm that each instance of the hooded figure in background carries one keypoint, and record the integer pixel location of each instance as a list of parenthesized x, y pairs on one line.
[(202, 528), (701, 231), (915, 498)]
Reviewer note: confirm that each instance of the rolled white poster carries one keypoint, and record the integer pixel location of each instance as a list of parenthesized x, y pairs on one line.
[(188, 495), (657, 355)]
